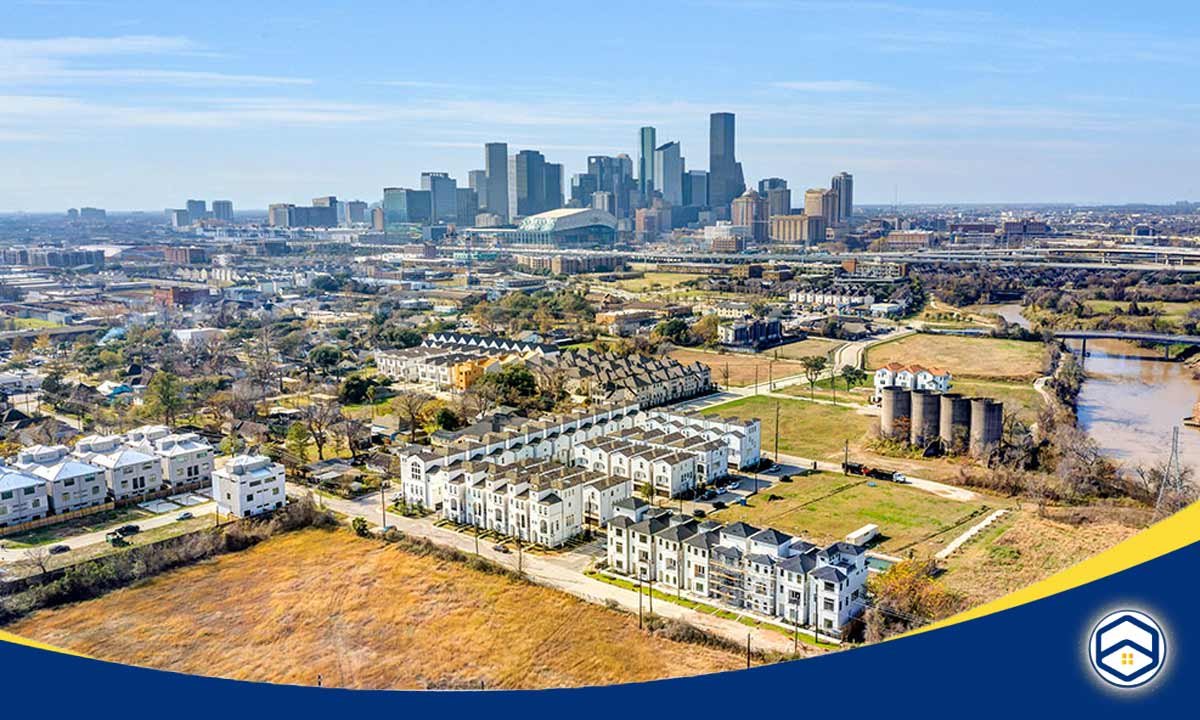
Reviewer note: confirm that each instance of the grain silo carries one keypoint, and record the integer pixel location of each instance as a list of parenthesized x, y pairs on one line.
[(987, 425), (954, 428), (926, 408), (896, 411)]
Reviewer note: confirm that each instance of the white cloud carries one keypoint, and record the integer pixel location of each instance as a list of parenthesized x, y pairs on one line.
[(54, 61), (827, 86)]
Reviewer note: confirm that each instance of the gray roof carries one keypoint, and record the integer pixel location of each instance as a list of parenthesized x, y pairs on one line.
[(703, 540), (771, 536), (739, 530), (678, 533), (630, 503), (830, 573)]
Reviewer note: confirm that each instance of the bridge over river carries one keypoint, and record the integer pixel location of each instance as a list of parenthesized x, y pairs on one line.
[(1165, 339)]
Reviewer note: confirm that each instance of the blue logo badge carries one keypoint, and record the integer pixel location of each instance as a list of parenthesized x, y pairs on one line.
[(1127, 648)]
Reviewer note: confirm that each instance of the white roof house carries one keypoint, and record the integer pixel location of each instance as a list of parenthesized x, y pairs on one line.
[(186, 458), (22, 497), (249, 485), (127, 472), (70, 484)]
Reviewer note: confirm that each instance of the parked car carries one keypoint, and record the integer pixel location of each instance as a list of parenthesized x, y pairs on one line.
[(899, 477), (186, 515), (59, 549), (698, 513), (735, 485), (127, 530), (718, 505), (501, 549)]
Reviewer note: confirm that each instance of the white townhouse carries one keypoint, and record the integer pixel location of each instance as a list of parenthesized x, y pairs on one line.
[(424, 470), (911, 377), (670, 472), (249, 485), (742, 437), (70, 483), (22, 497), (830, 298), (763, 571), (127, 472), (186, 458), (540, 502)]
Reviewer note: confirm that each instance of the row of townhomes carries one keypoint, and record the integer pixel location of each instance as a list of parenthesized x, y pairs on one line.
[(249, 485), (539, 502), (102, 468), (592, 376), (738, 565), (454, 361), (911, 377), (608, 452)]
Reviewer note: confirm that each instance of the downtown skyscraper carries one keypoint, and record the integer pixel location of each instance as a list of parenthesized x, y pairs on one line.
[(725, 181), (646, 147), (495, 199), (843, 185)]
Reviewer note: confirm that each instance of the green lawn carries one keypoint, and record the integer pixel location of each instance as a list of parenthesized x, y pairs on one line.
[(825, 507), (811, 430)]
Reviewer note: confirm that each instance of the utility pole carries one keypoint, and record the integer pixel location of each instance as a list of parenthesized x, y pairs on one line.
[(1172, 479), (382, 505), (776, 431), (639, 592), (747, 649), (476, 540), (846, 457)]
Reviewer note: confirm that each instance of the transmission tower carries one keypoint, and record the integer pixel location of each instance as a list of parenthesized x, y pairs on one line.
[(1172, 479)]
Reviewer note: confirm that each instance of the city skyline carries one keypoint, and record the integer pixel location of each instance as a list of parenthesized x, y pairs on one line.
[(930, 102)]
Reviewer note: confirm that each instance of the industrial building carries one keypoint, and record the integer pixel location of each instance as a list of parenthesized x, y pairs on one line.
[(923, 418)]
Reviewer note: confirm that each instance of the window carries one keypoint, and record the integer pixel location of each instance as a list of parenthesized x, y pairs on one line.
[(6, 495), (827, 604)]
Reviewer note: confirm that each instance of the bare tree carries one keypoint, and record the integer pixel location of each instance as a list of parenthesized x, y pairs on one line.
[(39, 555), (319, 416), (352, 431), (410, 406)]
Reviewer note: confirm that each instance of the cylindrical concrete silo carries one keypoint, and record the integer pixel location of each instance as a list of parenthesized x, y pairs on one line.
[(926, 409), (895, 411), (954, 427), (987, 425)]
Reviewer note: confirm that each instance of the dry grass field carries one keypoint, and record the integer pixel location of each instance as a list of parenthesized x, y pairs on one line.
[(364, 615), (973, 357), (741, 366), (1023, 548)]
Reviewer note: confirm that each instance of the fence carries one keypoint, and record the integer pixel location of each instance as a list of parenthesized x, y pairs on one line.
[(55, 519)]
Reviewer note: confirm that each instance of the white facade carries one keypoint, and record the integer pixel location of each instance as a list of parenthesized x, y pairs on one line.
[(764, 571), (911, 377), (249, 485), (742, 437), (22, 497), (127, 472), (70, 483), (186, 459)]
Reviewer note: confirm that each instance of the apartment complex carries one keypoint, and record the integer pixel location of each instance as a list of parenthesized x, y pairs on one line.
[(738, 565), (911, 377), (592, 376), (71, 484), (22, 497)]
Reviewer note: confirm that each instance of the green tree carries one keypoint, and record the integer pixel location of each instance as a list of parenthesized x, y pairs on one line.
[(853, 376), (297, 441), (814, 366), (325, 357), (164, 397)]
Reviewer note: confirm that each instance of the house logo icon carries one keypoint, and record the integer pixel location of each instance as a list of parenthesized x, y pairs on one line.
[(1127, 648)]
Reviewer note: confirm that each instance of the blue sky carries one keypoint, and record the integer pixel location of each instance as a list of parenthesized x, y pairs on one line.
[(141, 105)]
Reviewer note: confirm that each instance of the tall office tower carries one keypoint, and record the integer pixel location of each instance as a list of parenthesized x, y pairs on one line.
[(583, 186), (843, 185), (477, 181), (725, 181), (356, 212), (442, 195), (821, 203), (750, 210), (696, 188), (197, 210), (646, 185), (766, 185), (526, 184), (222, 210), (495, 161), (179, 218), (668, 172), (553, 174), (468, 207), (779, 201), (402, 206)]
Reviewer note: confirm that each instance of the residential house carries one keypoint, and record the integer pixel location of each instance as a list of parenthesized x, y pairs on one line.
[(249, 485)]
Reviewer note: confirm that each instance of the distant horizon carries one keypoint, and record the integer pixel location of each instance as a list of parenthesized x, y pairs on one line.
[(1072, 102)]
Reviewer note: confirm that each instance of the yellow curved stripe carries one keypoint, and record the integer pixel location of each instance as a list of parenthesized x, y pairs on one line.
[(1179, 530), (18, 640)]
